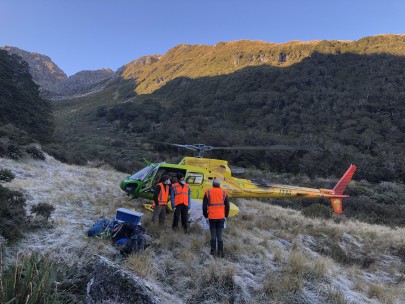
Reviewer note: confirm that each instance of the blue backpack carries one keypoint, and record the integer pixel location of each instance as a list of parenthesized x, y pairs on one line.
[(99, 228)]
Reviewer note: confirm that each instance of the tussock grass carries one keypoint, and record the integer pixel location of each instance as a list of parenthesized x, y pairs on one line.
[(272, 255), (215, 284), (337, 297), (31, 279), (277, 254), (141, 264), (197, 245)]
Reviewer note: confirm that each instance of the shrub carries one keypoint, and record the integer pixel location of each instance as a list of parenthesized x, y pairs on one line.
[(10, 132), (13, 219), (6, 175), (366, 209), (3, 146), (57, 151), (35, 152), (385, 198), (43, 209), (14, 151), (318, 211), (356, 188)]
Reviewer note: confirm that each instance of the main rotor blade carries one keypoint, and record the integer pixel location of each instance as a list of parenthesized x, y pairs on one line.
[(203, 147), (273, 147), (191, 147)]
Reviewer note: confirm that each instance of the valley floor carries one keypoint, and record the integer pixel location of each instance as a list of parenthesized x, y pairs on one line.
[(273, 255)]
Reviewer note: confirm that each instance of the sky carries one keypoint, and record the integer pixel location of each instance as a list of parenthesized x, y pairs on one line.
[(93, 34)]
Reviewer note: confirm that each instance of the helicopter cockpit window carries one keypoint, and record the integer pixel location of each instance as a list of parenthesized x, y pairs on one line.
[(148, 180), (140, 175), (195, 178)]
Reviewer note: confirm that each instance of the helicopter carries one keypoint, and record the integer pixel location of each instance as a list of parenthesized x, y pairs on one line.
[(200, 172)]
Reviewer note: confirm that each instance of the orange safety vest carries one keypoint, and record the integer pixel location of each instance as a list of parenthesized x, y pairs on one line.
[(180, 194), (216, 203), (163, 195)]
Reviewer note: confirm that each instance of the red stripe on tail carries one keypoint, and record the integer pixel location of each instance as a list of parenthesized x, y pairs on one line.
[(344, 181)]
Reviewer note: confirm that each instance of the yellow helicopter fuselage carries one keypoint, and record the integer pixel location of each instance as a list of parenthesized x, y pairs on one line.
[(200, 172)]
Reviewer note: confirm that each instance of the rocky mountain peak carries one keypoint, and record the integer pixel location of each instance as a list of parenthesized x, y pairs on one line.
[(54, 83), (43, 70)]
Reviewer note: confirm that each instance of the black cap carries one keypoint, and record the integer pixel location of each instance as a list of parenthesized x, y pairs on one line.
[(179, 175)]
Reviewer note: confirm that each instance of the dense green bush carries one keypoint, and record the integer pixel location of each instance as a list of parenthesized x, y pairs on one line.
[(57, 151), (35, 152), (13, 218), (318, 211), (43, 209), (14, 151), (385, 198), (366, 209), (22, 107), (6, 175), (10, 133)]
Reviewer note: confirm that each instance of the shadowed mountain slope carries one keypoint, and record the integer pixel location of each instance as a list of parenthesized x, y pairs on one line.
[(195, 61), (349, 107), (24, 115)]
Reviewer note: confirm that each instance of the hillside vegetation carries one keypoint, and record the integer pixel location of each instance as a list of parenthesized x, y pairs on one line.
[(24, 116), (343, 99), (195, 61)]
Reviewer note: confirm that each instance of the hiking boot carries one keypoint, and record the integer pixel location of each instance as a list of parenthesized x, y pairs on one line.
[(221, 249), (213, 247)]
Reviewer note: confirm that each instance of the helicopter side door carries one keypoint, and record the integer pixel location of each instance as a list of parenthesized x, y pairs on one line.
[(196, 180)]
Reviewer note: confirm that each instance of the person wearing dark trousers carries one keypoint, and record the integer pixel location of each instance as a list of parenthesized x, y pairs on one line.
[(180, 197), (160, 199), (216, 209)]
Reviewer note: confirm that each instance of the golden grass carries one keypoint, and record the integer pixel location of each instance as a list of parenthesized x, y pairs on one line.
[(141, 264), (336, 297), (384, 294)]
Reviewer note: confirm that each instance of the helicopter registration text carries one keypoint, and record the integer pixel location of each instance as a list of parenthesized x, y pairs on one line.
[(285, 192)]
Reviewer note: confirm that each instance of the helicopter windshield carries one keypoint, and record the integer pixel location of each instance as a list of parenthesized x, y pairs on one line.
[(140, 175)]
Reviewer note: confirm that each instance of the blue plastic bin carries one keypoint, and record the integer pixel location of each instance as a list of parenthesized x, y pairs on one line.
[(126, 215)]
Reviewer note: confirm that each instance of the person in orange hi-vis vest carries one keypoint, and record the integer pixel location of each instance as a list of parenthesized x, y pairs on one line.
[(180, 197), (160, 199), (216, 209)]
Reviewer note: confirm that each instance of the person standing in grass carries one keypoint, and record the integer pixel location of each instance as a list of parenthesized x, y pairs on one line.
[(180, 197), (160, 199), (216, 209)]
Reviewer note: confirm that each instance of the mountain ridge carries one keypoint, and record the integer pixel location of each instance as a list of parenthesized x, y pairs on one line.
[(151, 72), (53, 81), (226, 57)]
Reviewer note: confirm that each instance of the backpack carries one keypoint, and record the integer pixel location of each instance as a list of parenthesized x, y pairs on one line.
[(136, 241), (98, 228)]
